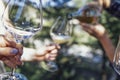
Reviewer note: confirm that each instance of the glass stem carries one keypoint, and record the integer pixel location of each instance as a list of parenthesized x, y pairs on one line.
[(13, 71)]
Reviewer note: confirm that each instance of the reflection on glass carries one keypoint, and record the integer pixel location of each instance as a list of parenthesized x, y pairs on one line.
[(22, 18), (116, 60)]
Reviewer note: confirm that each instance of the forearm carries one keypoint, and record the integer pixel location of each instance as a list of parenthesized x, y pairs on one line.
[(104, 3), (108, 47), (30, 54)]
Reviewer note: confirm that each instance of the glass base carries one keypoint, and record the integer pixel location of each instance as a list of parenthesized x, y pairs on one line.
[(49, 66), (15, 76)]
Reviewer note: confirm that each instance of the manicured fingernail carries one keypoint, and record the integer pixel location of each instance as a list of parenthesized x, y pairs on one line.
[(14, 51)]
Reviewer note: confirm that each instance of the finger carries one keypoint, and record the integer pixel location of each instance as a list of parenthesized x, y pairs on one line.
[(7, 51), (49, 48), (10, 43), (50, 57), (2, 41), (5, 41), (9, 63), (55, 51), (15, 60), (58, 46), (87, 30), (84, 25), (54, 44), (36, 58), (20, 48), (52, 47), (18, 60)]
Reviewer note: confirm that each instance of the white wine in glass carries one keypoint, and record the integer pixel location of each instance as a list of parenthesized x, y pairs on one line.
[(22, 19), (60, 33), (89, 13), (60, 39)]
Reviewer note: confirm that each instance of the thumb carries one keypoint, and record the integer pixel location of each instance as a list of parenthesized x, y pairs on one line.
[(7, 51)]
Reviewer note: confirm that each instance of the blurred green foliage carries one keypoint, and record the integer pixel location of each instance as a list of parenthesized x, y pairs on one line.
[(71, 67)]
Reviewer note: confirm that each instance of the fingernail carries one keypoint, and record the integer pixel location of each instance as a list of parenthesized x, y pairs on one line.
[(14, 51)]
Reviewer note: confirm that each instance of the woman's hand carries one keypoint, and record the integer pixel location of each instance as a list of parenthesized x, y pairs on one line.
[(100, 33), (48, 53), (104, 3), (96, 30), (51, 52), (10, 52)]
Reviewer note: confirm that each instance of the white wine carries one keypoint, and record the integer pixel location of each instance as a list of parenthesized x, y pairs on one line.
[(60, 39), (87, 14), (89, 20)]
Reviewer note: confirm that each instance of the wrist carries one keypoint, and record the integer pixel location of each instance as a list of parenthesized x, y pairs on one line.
[(103, 37), (104, 3), (28, 54), (107, 46)]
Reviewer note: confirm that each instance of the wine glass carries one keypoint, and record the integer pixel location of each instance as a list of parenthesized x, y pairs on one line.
[(116, 60), (21, 19), (17, 76), (88, 13), (60, 33)]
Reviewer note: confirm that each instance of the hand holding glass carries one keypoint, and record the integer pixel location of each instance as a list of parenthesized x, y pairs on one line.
[(88, 13), (22, 19), (60, 33)]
